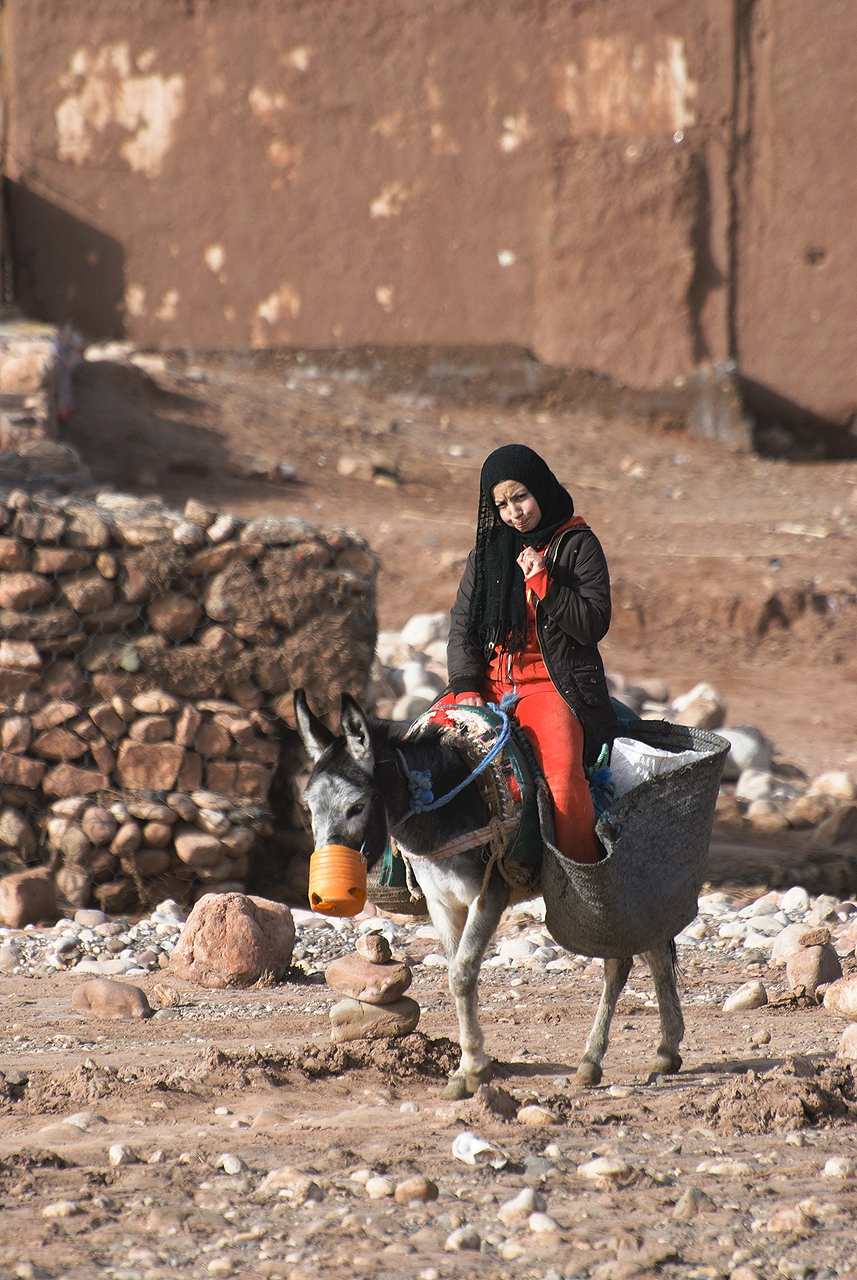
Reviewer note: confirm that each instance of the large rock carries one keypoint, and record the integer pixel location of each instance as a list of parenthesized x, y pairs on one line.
[(232, 939), (370, 982), (107, 998), (839, 998), (787, 943), (848, 1044), (26, 897), (356, 1020), (812, 967)]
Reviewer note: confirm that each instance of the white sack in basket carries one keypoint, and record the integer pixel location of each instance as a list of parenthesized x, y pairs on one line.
[(633, 762)]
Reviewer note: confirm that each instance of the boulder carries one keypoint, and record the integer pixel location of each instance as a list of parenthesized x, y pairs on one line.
[(787, 943), (27, 897), (233, 939), (839, 998), (848, 1044), (356, 1020), (107, 998), (812, 967)]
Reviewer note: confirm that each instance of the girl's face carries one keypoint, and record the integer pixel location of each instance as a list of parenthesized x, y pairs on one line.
[(516, 506)]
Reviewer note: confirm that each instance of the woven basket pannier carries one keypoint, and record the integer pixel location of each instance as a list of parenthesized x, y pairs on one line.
[(656, 836)]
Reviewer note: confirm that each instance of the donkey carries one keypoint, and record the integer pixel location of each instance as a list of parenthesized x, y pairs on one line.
[(360, 792)]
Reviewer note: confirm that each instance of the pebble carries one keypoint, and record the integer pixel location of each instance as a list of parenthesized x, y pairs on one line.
[(417, 1188), (521, 1206), (120, 1154), (536, 1115), (838, 1167), (611, 1168), (463, 1238), (379, 1188), (542, 1223)]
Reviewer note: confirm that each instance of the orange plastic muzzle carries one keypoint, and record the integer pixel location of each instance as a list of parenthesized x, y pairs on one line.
[(337, 881)]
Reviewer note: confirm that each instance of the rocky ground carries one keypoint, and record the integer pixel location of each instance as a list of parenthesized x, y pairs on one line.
[(144, 1148), (228, 1136)]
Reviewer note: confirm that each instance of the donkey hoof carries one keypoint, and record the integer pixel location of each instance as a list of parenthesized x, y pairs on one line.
[(465, 1085), (588, 1074), (457, 1089), (665, 1064)]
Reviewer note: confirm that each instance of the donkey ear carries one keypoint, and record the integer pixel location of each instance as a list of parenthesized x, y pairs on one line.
[(355, 726), (315, 736)]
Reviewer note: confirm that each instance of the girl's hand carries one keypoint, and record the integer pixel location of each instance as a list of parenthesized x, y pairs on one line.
[(470, 700), (530, 561)]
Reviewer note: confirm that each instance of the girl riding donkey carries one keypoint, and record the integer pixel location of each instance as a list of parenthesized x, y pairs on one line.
[(532, 606), (534, 601)]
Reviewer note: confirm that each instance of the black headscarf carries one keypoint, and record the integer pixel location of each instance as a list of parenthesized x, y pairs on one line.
[(498, 606)]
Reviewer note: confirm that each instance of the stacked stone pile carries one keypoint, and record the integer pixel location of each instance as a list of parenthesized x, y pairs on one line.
[(373, 984), (145, 657), (764, 793)]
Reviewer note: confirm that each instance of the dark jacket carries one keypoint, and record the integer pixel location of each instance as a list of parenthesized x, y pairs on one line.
[(573, 616)]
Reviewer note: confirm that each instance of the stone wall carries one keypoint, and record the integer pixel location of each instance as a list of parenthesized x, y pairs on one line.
[(639, 189), (146, 660)]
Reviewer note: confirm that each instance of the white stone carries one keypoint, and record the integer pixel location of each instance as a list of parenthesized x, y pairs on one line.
[(521, 1206), (422, 628), (836, 783), (542, 1223), (610, 1167), (758, 784), (752, 995), (714, 904), (379, 1187), (516, 948), (838, 1167), (463, 1238), (786, 942), (761, 907), (795, 901), (417, 680), (120, 1154), (757, 941), (768, 925), (733, 929), (749, 749)]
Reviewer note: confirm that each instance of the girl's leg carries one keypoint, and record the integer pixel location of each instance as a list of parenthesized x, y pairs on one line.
[(557, 740)]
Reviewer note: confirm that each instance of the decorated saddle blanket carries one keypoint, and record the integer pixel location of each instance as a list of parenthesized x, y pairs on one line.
[(508, 787)]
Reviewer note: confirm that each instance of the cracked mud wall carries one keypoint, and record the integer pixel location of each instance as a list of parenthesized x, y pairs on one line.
[(568, 178)]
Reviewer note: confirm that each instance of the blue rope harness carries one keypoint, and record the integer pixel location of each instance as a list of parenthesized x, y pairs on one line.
[(419, 780)]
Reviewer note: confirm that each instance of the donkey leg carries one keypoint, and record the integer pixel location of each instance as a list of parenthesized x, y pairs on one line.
[(661, 961), (615, 976), (475, 1067)]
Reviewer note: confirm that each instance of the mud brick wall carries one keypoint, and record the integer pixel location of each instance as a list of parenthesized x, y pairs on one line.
[(638, 189), (146, 657)]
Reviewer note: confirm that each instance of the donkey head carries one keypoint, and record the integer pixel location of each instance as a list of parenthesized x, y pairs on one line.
[(341, 793)]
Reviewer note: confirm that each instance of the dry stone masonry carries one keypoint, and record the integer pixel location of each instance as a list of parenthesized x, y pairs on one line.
[(146, 656)]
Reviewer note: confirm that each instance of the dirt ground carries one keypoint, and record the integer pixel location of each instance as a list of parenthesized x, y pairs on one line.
[(722, 1166), (724, 1162)]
